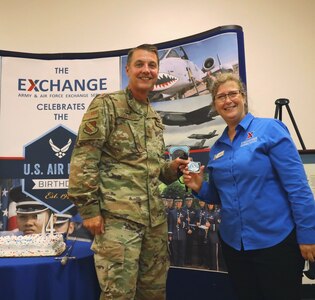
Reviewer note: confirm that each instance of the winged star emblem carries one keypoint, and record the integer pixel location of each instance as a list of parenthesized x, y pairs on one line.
[(60, 152)]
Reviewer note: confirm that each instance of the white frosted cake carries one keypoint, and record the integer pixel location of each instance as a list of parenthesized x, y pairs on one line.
[(32, 245)]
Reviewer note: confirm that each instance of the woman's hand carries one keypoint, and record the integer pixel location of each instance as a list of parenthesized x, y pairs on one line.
[(193, 180)]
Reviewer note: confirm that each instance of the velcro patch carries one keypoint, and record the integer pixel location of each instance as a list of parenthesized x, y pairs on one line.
[(90, 127), (90, 115)]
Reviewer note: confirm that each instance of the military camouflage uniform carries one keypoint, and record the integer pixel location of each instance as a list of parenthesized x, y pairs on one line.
[(116, 168)]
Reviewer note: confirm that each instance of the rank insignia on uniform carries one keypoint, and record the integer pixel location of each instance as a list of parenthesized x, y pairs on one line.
[(90, 128), (90, 115)]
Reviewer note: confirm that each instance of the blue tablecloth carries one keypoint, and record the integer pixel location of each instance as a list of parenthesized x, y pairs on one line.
[(45, 278)]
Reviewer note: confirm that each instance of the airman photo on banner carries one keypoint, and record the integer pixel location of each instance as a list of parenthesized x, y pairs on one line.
[(32, 216)]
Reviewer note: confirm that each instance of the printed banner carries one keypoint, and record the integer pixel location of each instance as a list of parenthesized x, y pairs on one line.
[(42, 103), (43, 99), (37, 95)]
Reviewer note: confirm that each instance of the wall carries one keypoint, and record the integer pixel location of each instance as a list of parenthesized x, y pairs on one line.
[(279, 39)]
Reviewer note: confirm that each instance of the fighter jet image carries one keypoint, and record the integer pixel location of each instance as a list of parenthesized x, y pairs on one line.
[(200, 136), (195, 117), (178, 74), (199, 145)]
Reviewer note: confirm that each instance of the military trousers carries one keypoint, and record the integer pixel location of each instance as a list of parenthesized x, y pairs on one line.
[(131, 260)]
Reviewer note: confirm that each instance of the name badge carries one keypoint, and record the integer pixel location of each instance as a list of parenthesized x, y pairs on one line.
[(218, 155)]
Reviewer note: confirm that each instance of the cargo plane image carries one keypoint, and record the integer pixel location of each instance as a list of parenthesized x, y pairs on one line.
[(195, 117)]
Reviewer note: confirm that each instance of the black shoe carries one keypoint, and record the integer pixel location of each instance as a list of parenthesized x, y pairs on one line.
[(310, 273)]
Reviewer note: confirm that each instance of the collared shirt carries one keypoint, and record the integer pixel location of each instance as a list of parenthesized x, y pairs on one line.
[(260, 181), (117, 162)]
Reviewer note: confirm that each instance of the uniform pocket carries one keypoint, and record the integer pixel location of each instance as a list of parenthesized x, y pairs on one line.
[(125, 139)]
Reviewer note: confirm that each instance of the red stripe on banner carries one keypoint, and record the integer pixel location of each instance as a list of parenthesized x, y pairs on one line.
[(200, 150), (12, 221), (12, 224), (12, 158)]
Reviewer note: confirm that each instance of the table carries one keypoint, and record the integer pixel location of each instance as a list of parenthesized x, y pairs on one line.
[(203, 284), (45, 278)]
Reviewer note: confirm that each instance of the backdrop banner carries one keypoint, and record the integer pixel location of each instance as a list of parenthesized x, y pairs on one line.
[(44, 96)]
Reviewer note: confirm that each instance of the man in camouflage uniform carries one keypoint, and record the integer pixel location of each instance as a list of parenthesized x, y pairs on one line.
[(116, 168)]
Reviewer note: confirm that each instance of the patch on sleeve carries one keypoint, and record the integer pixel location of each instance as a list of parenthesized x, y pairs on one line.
[(90, 127), (93, 114)]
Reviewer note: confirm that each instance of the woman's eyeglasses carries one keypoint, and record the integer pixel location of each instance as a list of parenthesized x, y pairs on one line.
[(232, 95)]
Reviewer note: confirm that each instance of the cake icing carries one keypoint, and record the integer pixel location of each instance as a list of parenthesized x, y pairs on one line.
[(32, 245)]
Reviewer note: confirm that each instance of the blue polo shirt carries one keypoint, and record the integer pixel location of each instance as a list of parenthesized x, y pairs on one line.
[(260, 181)]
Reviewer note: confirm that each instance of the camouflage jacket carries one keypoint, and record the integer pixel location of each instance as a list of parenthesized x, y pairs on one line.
[(117, 163)]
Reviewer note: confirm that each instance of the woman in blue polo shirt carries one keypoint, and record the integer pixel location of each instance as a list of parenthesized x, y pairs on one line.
[(268, 209)]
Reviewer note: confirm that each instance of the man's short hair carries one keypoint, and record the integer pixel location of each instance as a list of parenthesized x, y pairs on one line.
[(146, 47)]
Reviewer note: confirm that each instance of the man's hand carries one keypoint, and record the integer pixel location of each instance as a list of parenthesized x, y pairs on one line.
[(94, 225), (179, 163)]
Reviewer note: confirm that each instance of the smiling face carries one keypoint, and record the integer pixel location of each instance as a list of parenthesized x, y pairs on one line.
[(230, 108), (142, 71)]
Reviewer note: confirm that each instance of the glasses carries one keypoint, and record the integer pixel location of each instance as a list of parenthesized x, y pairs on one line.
[(232, 95)]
